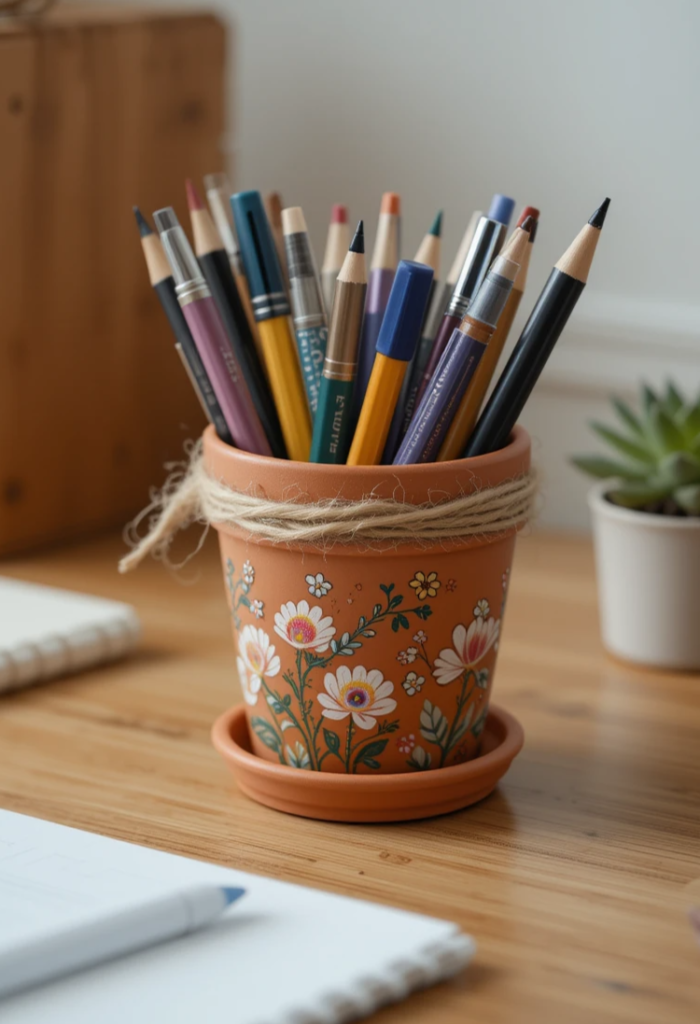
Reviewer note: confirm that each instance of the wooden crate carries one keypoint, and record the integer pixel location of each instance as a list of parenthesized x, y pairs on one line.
[(100, 108)]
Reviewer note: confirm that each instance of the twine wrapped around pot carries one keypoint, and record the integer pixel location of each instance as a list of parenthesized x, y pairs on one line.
[(191, 495)]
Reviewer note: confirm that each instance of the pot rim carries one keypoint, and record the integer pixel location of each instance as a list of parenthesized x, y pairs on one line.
[(517, 448), (606, 509)]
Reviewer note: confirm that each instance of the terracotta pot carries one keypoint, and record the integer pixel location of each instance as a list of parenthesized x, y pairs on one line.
[(358, 661)]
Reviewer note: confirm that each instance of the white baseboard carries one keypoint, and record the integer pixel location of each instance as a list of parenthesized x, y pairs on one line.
[(609, 347)]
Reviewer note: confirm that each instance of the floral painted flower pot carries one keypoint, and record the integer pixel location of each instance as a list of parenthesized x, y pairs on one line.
[(364, 661)]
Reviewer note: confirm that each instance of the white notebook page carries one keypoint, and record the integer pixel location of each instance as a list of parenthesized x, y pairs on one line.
[(283, 954)]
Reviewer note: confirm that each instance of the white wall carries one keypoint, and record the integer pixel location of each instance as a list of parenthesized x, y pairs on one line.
[(556, 103)]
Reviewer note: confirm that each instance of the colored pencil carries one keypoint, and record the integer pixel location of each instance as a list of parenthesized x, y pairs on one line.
[(486, 243), (218, 193), (468, 412), (501, 209), (332, 426), (337, 244), (429, 255), (385, 258), (273, 209), (461, 358), (213, 259), (161, 278), (396, 346), (210, 337), (539, 336), (271, 308), (309, 316)]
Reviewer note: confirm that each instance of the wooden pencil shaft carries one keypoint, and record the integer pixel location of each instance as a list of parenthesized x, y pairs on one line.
[(429, 253), (377, 411), (577, 260), (344, 333), (385, 255), (284, 374), (217, 272), (337, 245), (156, 260), (205, 235), (538, 338)]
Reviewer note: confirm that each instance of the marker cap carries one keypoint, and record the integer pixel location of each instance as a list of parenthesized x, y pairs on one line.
[(403, 318), (262, 265), (501, 209)]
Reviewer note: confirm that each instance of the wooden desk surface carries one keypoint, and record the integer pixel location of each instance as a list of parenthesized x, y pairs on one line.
[(571, 876)]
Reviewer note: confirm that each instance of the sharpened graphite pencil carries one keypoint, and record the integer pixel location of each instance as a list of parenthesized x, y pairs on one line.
[(537, 340), (332, 426)]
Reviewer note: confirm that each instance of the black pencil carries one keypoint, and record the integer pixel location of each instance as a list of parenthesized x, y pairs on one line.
[(539, 336), (163, 285), (216, 267)]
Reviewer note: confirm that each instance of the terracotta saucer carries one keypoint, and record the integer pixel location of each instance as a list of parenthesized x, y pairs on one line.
[(362, 798)]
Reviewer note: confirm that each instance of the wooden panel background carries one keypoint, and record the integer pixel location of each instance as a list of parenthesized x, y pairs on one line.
[(96, 113)]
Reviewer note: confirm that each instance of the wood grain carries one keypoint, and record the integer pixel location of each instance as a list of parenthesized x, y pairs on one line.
[(95, 115), (572, 876)]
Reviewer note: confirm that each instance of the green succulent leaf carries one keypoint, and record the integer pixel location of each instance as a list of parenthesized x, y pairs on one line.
[(633, 449), (649, 399), (673, 400), (628, 417), (680, 468), (688, 498), (604, 469), (638, 494), (664, 433), (689, 422)]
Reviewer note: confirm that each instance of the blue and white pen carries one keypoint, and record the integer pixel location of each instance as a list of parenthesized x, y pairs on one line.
[(310, 323), (112, 935)]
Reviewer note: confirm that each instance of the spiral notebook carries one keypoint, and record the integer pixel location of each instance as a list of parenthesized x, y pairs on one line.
[(45, 632), (285, 954)]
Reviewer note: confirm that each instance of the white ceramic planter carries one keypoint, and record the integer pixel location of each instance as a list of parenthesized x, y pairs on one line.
[(648, 569)]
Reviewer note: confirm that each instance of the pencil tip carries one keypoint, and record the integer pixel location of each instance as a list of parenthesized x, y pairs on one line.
[(436, 229), (598, 218), (339, 214), (193, 200), (141, 222), (528, 224), (358, 242)]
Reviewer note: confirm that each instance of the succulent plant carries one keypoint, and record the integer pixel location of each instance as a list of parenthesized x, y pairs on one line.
[(657, 457)]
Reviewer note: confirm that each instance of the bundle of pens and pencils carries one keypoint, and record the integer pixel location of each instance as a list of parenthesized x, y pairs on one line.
[(340, 368)]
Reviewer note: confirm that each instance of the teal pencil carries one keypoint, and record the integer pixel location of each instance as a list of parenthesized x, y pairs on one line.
[(332, 426), (310, 325)]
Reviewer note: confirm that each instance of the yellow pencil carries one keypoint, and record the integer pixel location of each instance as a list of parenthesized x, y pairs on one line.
[(396, 344), (272, 312)]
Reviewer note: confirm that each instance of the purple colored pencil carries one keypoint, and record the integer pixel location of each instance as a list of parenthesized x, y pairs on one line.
[(487, 241), (211, 339)]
